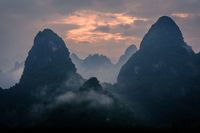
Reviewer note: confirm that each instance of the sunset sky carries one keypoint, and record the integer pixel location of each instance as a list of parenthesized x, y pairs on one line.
[(90, 26)]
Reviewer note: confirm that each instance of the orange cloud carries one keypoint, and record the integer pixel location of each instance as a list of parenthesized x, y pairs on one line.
[(181, 15), (87, 21), (87, 35)]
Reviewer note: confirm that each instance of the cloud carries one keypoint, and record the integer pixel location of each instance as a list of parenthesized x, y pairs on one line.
[(102, 28), (94, 98), (185, 15), (93, 26), (181, 15), (12, 76)]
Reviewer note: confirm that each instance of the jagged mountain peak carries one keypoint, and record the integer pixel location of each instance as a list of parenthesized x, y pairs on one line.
[(76, 60), (48, 60), (48, 38), (130, 49), (91, 84), (47, 31), (165, 19), (165, 32), (163, 45), (127, 54), (96, 60)]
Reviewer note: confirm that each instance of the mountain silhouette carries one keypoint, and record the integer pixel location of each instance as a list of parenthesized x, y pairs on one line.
[(127, 54), (48, 72), (101, 66), (48, 60), (95, 61), (132, 49), (163, 47), (76, 60), (91, 84), (162, 75), (95, 65)]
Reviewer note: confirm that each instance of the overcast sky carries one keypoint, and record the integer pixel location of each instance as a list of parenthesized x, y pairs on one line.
[(90, 26)]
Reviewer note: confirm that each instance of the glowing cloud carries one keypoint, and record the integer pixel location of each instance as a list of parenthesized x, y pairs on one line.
[(87, 21), (181, 15)]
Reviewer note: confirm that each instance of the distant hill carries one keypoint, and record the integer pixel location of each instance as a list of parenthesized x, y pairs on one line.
[(95, 65), (127, 54), (100, 66), (76, 60)]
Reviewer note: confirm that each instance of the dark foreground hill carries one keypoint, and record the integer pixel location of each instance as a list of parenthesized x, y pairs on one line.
[(51, 94), (163, 78)]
